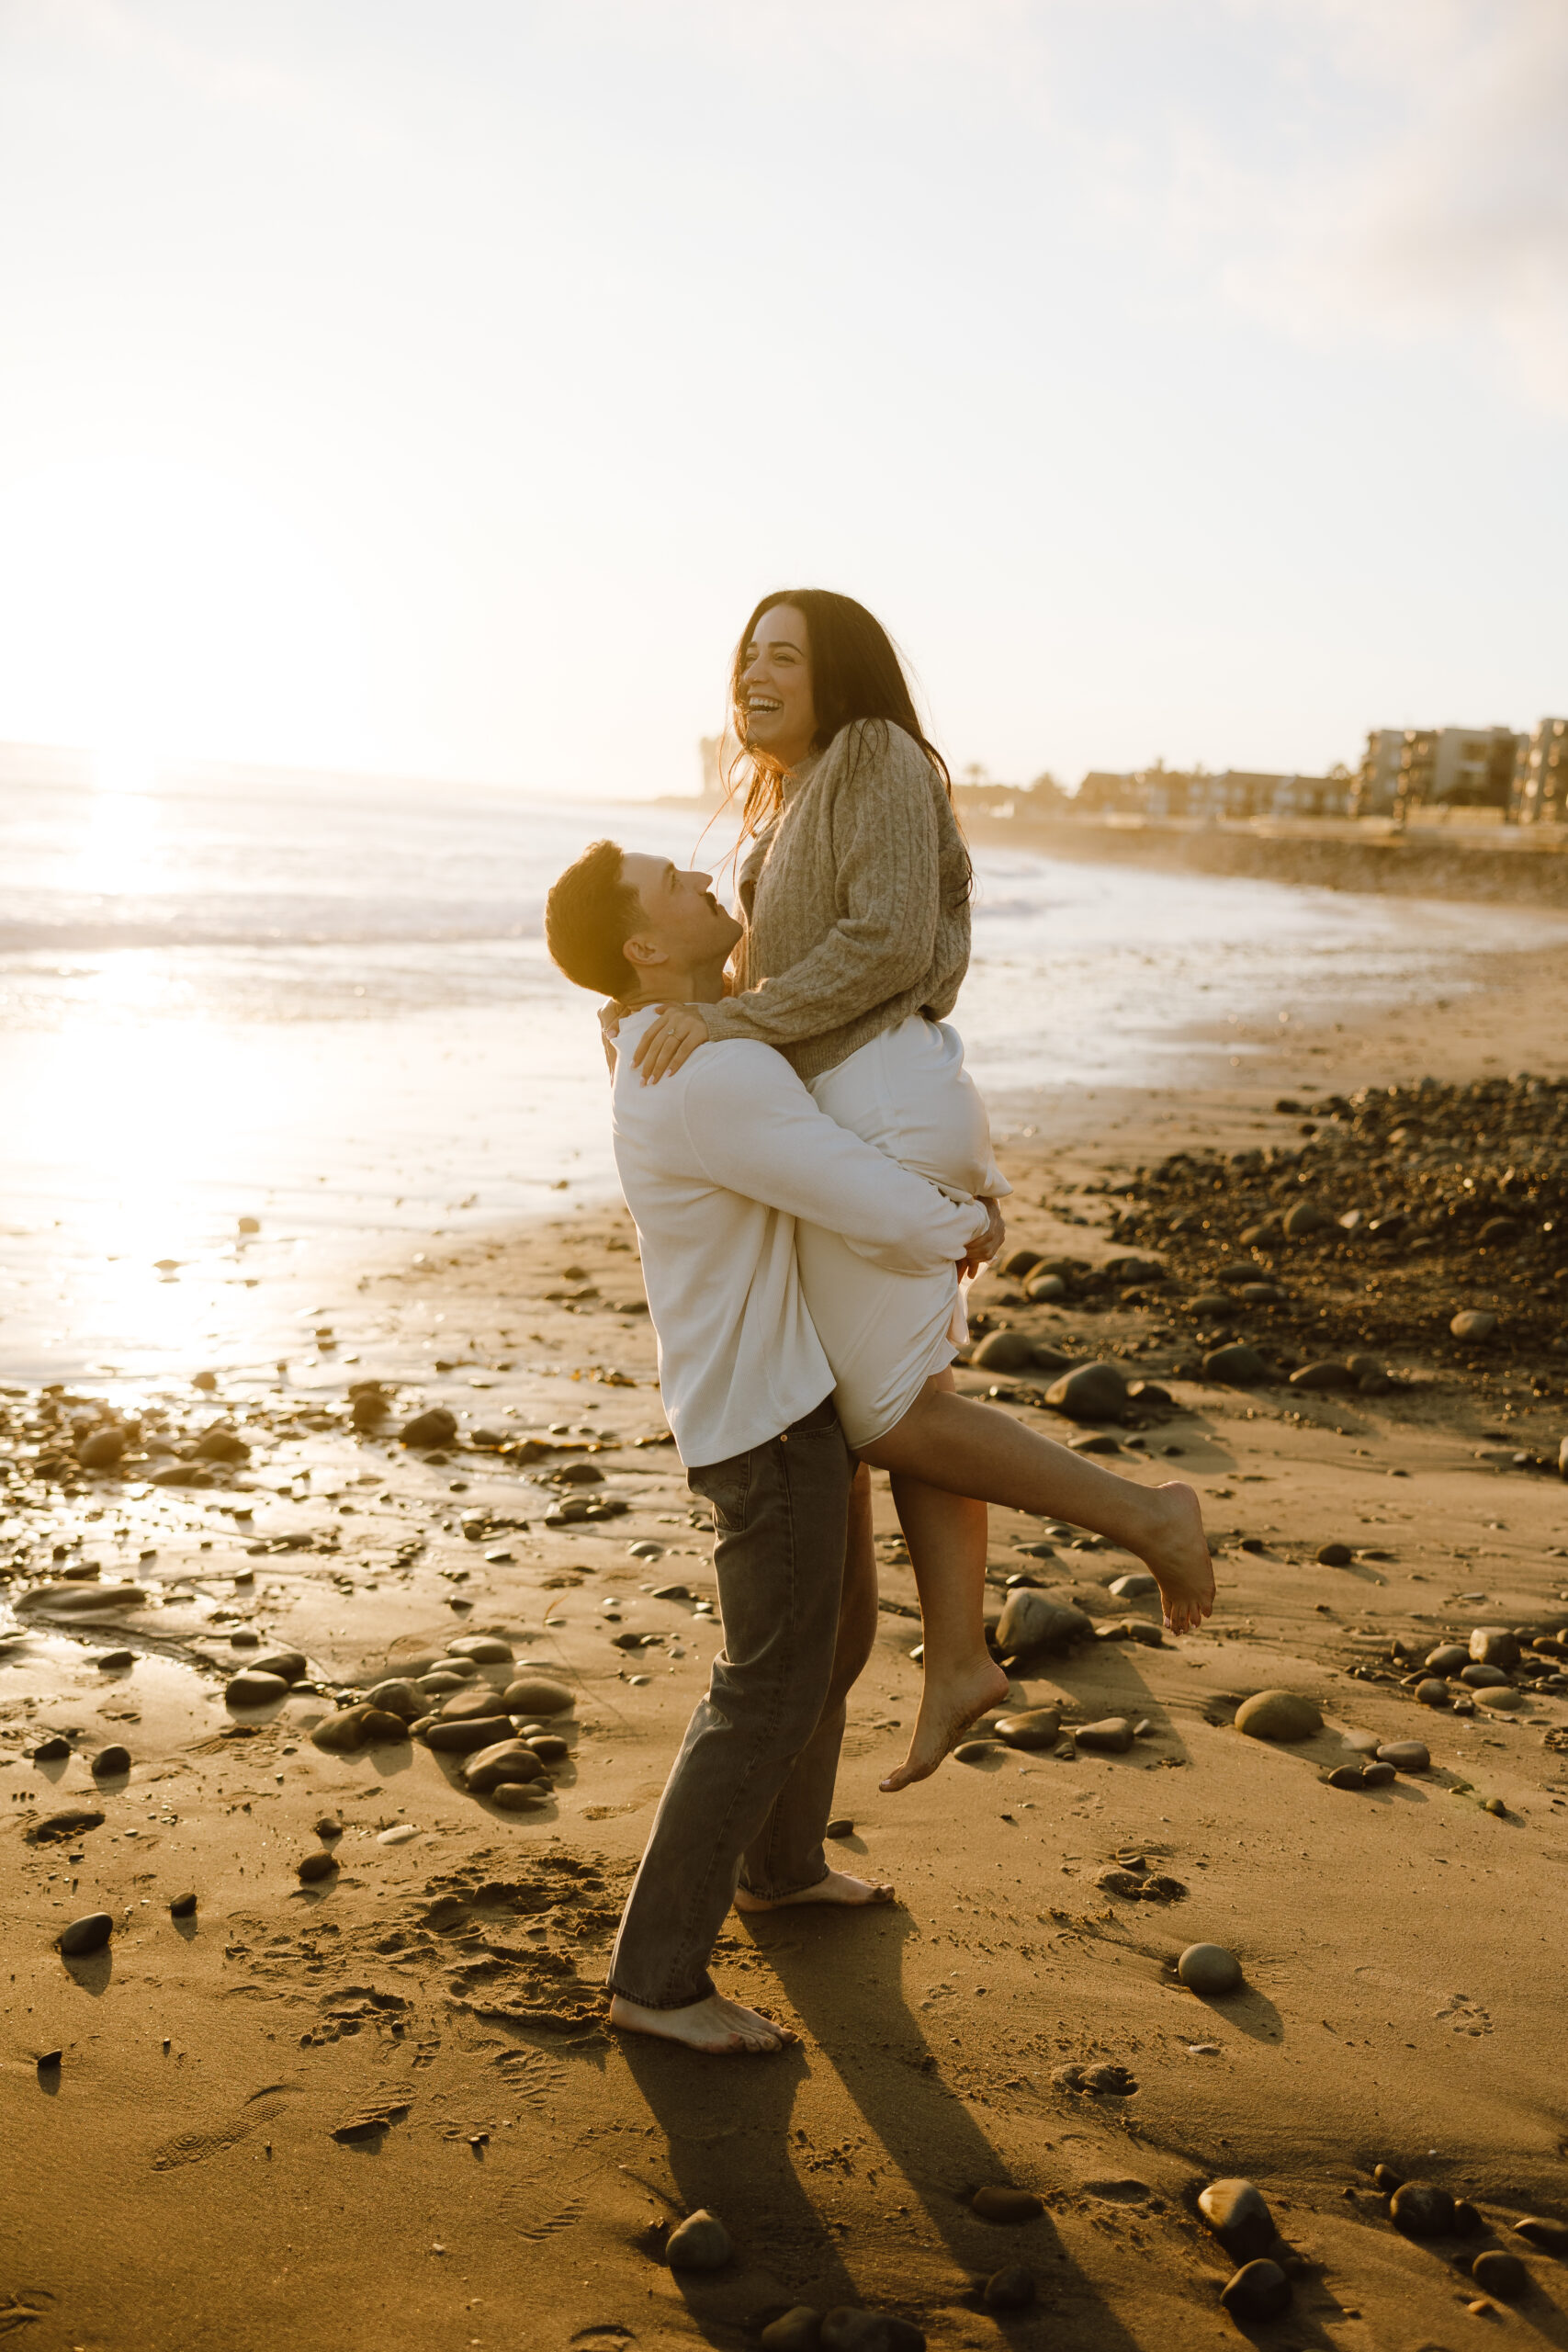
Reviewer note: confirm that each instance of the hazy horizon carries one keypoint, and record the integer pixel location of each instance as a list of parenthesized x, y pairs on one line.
[(430, 394)]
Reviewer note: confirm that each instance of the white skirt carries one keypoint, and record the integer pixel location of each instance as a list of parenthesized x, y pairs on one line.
[(885, 1334)]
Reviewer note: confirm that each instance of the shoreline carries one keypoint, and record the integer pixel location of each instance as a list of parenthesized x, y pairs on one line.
[(412, 2046)]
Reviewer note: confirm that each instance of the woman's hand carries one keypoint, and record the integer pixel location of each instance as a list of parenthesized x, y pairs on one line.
[(672, 1040), (987, 1246)]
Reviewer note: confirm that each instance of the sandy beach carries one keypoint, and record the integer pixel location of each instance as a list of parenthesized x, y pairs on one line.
[(392, 2080)]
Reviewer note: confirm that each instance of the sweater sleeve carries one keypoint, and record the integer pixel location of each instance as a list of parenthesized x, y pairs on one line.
[(753, 1128), (889, 893)]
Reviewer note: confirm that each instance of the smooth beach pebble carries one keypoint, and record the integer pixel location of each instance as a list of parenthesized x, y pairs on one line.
[(398, 1836), (1114, 1736), (1421, 2210), (797, 2330), (1495, 1645), (844, 1828), (253, 1689), (182, 1907), (1238, 2213), (1346, 1776), (342, 1734), (1238, 1366), (85, 1935), (1405, 1755), (1539, 2230), (1209, 1967), (1279, 1714), (973, 1751), (999, 2204), (548, 1746), (436, 1427), (1134, 1585), (1500, 2274), (699, 2243), (1499, 1703), (289, 1664), (536, 1697), (398, 1698), (1334, 1556), (1431, 1692), (1473, 1323), (1376, 1776), (467, 1737), (110, 1762), (521, 1796), (1258, 2291), (312, 1868), (1011, 2290), (114, 1661), (507, 1759), (485, 1649), (1449, 1657), (53, 1750), (473, 1698)]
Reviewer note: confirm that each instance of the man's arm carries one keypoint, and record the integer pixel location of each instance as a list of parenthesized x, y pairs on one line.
[(753, 1128)]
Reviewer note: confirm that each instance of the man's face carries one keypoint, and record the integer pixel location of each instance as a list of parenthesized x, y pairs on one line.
[(684, 925)]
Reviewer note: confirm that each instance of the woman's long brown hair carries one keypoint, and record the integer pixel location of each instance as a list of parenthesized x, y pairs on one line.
[(855, 674)]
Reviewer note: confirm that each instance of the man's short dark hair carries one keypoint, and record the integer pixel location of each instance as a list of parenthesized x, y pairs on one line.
[(591, 913)]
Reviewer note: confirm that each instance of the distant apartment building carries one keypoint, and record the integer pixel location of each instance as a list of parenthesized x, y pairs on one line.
[(1456, 767), (1375, 786), (1541, 775), (1233, 795)]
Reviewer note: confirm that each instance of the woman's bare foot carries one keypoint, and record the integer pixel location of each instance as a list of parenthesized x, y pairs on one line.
[(715, 2025), (949, 1704), (1178, 1555), (850, 1894)]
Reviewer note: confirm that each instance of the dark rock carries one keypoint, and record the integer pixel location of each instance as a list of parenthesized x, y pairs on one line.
[(534, 1696), (798, 2330), (848, 2330), (328, 1828), (1431, 1692), (221, 1442), (1114, 1736), (1387, 2179), (312, 1868), (1502, 2275), (382, 1728), (398, 1698), (289, 1664), (1095, 1392), (551, 1748), (253, 1688), (1036, 1727), (473, 1698), (342, 1734), (1209, 1967), (1335, 1556), (1345, 1776), (1011, 2290), (1378, 1776), (1032, 1621), (699, 2243), (101, 1449), (1449, 1657), (52, 1750), (1009, 2205), (85, 1935), (114, 1661), (49, 2061), (522, 1796), (1019, 1262), (435, 1427), (1473, 1323), (1236, 1366), (182, 1907), (1004, 1351), (1260, 2290), (1539, 2229), (508, 1759), (467, 1738), (1304, 1219), (843, 1828), (1238, 2215), (367, 1410), (1279, 1714), (110, 1762), (1421, 2210), (1467, 2222)]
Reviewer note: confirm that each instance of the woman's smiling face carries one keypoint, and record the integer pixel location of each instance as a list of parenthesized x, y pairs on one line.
[(777, 714)]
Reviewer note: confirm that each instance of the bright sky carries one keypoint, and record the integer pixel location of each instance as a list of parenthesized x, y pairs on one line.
[(432, 385)]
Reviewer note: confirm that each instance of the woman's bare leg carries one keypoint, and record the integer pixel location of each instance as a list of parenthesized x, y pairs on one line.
[(973, 1449), (946, 1535)]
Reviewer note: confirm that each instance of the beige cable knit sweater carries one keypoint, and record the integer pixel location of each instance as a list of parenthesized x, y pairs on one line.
[(857, 904)]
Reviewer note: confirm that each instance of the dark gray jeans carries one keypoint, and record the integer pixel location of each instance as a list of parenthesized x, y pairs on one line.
[(752, 1787)]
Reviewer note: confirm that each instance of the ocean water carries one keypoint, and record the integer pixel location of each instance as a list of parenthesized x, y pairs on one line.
[(326, 1005)]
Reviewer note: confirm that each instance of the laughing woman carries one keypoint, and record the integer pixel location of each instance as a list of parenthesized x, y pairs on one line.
[(855, 891)]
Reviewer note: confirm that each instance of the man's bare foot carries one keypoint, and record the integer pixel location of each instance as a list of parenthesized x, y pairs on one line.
[(949, 1704), (715, 2025), (850, 1894), (1177, 1555)]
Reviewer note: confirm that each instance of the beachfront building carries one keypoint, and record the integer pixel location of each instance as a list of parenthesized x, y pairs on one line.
[(1456, 767), (1232, 796), (1541, 775), (1375, 786)]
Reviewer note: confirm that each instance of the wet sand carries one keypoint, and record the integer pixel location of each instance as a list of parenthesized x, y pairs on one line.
[(385, 2102)]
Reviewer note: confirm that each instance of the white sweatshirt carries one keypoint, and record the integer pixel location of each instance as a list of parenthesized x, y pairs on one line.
[(717, 1163)]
